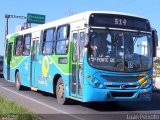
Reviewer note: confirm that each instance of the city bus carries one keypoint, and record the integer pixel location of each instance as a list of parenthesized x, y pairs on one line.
[(94, 56)]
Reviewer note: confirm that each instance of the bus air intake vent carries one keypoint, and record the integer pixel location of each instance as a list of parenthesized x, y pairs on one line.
[(122, 78), (122, 94)]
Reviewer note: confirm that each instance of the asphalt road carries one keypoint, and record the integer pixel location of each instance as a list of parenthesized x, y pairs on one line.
[(46, 106)]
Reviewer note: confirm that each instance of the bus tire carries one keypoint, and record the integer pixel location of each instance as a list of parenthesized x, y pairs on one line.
[(60, 92), (18, 81)]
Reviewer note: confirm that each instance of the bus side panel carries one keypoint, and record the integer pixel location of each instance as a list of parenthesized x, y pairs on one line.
[(5, 69), (8, 60), (47, 67), (24, 69), (17, 63), (21, 64)]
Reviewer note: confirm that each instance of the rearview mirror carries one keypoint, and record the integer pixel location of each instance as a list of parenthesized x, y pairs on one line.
[(155, 42)]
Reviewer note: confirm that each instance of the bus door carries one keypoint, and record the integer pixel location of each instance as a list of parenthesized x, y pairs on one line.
[(34, 61), (77, 66), (9, 54)]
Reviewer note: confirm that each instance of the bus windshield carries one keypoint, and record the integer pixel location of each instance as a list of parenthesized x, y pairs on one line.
[(119, 50)]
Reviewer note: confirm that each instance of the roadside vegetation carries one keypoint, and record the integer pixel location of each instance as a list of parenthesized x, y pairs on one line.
[(156, 67), (12, 111)]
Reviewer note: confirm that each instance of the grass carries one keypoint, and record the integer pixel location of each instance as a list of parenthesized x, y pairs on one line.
[(13, 111)]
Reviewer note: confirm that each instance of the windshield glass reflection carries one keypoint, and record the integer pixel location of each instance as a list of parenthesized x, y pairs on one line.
[(120, 51)]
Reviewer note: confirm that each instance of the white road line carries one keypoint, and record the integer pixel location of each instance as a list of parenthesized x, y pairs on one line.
[(10, 81), (43, 104)]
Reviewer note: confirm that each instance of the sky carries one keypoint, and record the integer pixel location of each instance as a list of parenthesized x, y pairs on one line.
[(56, 9)]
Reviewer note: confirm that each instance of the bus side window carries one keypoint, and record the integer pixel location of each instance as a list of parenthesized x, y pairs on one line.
[(18, 47), (48, 41), (75, 40), (62, 39), (27, 44), (82, 40)]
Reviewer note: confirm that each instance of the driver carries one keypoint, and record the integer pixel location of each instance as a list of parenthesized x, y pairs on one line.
[(99, 45)]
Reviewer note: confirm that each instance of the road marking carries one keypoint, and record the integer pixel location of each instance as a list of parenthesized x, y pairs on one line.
[(10, 81), (43, 104)]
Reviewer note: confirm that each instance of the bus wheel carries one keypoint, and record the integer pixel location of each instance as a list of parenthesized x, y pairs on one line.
[(60, 92), (18, 81)]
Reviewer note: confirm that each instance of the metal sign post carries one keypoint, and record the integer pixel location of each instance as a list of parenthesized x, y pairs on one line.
[(7, 18)]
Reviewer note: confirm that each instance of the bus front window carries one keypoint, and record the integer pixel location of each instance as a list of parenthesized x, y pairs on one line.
[(138, 52), (120, 51)]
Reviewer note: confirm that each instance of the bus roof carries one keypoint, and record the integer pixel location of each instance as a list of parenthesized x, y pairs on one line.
[(114, 13), (69, 19)]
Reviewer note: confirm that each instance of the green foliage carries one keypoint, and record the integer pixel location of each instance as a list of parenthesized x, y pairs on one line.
[(11, 110), (156, 67)]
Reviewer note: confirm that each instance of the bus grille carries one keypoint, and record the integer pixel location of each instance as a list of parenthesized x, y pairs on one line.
[(126, 86), (122, 78), (122, 94)]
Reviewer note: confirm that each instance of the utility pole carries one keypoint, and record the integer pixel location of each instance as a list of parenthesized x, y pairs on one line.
[(6, 28), (7, 18)]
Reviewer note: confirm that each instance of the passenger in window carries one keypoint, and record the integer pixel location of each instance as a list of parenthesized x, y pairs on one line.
[(19, 50), (99, 45), (26, 50)]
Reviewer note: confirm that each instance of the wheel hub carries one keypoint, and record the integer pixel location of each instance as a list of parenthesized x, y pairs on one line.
[(60, 90)]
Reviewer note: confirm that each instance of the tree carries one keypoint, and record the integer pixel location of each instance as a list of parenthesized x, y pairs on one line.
[(156, 67)]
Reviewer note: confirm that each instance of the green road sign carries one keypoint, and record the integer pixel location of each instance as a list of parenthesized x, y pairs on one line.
[(35, 18)]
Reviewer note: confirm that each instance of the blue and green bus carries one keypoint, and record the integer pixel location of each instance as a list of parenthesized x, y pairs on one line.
[(94, 56)]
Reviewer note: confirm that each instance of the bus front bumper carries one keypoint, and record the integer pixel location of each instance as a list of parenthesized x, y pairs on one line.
[(102, 95)]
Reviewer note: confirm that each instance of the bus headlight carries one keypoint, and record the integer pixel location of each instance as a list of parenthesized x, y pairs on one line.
[(146, 84), (95, 83)]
